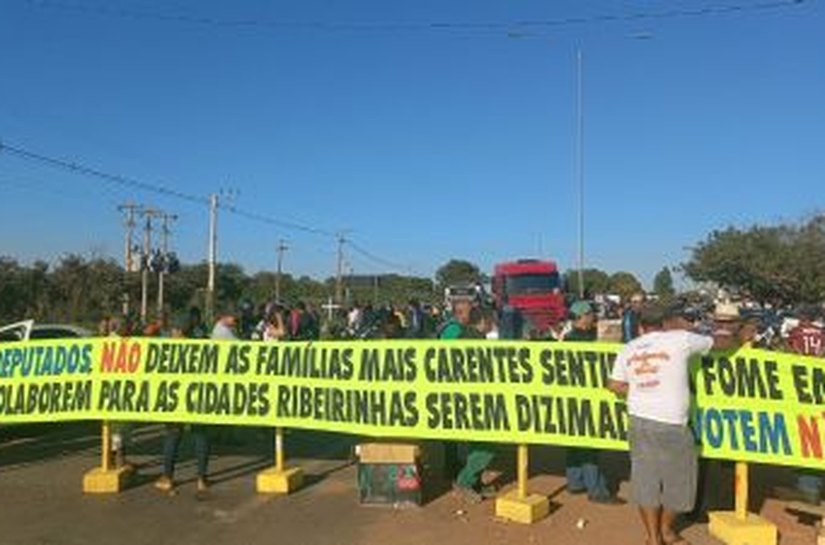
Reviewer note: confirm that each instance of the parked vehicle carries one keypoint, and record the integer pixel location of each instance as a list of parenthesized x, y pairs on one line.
[(533, 287), (27, 330)]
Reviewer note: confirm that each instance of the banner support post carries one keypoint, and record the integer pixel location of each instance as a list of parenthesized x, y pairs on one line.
[(106, 446), (279, 449), (741, 491), (739, 526), (522, 469), (279, 479), (519, 505), (106, 479)]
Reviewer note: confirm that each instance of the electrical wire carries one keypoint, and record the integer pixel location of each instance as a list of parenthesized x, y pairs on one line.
[(133, 183), (274, 221), (376, 259), (508, 29), (88, 171)]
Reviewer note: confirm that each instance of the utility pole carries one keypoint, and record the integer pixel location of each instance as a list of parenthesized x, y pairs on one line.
[(148, 214), (129, 223), (213, 248), (282, 247), (164, 233), (580, 166), (339, 279)]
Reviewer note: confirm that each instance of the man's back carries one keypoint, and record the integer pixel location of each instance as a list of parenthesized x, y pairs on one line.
[(655, 367)]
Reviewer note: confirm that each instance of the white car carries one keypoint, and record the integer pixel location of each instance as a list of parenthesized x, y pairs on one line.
[(28, 330)]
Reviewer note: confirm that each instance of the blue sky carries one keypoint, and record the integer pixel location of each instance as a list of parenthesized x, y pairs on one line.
[(428, 143)]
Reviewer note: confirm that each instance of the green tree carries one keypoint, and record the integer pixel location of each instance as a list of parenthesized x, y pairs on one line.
[(624, 284), (13, 300), (458, 271), (782, 263), (595, 281), (663, 283)]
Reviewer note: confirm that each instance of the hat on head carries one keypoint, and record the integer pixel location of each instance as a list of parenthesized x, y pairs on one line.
[(580, 308)]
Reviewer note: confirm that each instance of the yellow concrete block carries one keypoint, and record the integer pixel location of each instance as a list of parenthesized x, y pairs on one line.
[(753, 530), (525, 510), (97, 481), (272, 481)]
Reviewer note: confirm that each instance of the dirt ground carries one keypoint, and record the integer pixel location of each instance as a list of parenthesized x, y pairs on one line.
[(41, 501)]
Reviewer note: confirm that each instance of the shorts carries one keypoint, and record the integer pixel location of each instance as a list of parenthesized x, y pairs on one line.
[(663, 465)]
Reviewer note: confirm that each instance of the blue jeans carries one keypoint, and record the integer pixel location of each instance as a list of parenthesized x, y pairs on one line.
[(583, 473), (172, 441)]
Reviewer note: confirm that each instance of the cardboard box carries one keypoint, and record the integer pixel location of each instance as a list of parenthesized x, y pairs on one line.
[(388, 453)]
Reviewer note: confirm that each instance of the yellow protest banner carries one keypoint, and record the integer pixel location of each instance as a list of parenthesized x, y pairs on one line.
[(750, 405)]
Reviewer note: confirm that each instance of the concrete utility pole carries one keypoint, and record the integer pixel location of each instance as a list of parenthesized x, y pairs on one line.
[(213, 249), (148, 214), (129, 209), (282, 247), (164, 233), (339, 279)]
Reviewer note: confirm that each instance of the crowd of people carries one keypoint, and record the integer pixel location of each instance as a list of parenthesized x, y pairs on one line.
[(651, 371)]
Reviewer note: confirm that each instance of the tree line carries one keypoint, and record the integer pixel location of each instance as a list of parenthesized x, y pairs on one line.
[(83, 290), (780, 264)]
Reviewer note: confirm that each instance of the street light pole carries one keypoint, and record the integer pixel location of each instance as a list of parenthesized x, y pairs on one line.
[(580, 166)]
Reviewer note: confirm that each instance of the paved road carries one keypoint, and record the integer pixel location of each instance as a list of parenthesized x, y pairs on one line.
[(41, 502)]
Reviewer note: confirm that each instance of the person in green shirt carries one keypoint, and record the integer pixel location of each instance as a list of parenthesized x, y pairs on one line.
[(462, 325)]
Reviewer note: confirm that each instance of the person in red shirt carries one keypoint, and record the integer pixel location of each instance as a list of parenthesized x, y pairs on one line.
[(807, 338)]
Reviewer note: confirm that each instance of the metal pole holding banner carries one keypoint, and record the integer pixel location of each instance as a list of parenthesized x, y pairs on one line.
[(105, 446), (106, 479), (741, 491), (279, 449), (279, 479), (519, 505), (740, 526), (522, 470)]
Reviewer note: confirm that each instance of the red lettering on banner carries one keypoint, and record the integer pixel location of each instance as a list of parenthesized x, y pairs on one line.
[(120, 357), (809, 437)]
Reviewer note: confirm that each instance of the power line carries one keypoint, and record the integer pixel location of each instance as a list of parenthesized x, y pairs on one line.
[(379, 260), (277, 222), (510, 29), (88, 171), (134, 183)]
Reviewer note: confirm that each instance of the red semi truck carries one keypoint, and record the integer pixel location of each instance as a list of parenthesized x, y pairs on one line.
[(533, 287)]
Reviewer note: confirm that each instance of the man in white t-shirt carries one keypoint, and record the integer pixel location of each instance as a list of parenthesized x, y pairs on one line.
[(652, 370)]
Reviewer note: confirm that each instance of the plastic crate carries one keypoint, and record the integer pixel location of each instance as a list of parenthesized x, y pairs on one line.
[(390, 484)]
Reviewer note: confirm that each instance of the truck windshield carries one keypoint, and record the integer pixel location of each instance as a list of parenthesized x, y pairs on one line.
[(526, 284)]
